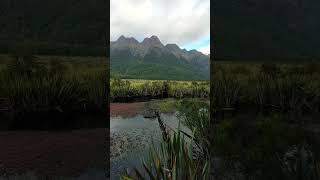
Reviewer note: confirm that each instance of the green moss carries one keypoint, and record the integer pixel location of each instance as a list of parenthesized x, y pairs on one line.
[(169, 106)]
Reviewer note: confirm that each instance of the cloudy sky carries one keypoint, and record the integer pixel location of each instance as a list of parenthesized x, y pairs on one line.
[(183, 22)]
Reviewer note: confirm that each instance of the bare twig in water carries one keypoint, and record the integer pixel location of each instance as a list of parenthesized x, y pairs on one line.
[(163, 128)]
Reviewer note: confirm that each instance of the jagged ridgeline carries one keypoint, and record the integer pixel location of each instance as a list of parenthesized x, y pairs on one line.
[(61, 27), (150, 59)]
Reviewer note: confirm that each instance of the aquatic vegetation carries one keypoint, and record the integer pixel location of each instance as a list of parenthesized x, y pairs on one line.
[(275, 145), (173, 160), (194, 114), (244, 147), (169, 106)]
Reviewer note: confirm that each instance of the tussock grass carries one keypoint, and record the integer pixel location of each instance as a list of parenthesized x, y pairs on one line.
[(122, 88), (265, 87), (34, 86)]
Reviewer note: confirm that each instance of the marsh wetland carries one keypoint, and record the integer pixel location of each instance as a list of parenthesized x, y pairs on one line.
[(264, 124)]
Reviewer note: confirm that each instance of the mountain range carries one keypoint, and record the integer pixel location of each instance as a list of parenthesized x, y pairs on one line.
[(150, 59)]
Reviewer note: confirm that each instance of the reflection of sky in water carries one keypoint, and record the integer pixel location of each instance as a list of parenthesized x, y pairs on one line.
[(131, 139)]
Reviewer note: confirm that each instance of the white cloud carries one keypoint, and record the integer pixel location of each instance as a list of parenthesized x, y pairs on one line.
[(205, 49), (173, 21)]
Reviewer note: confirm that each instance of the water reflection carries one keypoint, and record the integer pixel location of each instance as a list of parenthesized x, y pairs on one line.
[(131, 138)]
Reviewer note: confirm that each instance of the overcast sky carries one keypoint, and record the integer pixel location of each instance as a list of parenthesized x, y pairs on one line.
[(183, 22)]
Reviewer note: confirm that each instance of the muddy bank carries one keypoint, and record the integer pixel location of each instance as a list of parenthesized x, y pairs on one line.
[(132, 99), (126, 109), (134, 108)]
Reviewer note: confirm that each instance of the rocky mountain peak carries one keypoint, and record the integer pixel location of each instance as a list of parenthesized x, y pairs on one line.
[(149, 43), (121, 38), (153, 41), (129, 40), (195, 52), (173, 47)]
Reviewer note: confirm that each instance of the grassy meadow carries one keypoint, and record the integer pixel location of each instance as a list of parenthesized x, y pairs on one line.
[(37, 88), (126, 89)]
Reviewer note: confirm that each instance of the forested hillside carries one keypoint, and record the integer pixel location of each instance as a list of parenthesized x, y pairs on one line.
[(150, 59)]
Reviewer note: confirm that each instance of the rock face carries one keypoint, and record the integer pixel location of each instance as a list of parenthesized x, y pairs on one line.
[(141, 49), (153, 41), (127, 52)]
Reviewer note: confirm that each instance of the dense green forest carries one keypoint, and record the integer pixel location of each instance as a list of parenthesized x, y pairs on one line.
[(66, 27)]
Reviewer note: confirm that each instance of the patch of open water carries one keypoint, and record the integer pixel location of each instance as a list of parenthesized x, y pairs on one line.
[(132, 137)]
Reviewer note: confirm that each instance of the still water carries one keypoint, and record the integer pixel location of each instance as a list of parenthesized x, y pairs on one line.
[(131, 138)]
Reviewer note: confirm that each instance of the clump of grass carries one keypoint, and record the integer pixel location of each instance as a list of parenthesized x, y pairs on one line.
[(226, 90), (266, 87), (169, 106), (194, 114)]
